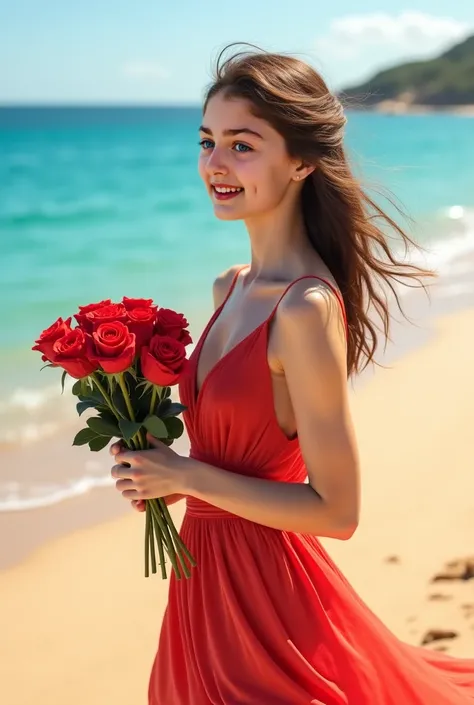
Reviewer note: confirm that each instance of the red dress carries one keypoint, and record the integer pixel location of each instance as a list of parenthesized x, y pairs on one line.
[(267, 618)]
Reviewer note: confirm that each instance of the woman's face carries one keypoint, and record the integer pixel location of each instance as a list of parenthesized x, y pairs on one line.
[(243, 152)]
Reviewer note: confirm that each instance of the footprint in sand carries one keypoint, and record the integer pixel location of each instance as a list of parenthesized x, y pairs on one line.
[(439, 597), (437, 634), (392, 559), (458, 569), (468, 609)]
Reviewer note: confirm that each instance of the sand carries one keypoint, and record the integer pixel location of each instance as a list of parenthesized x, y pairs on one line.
[(80, 623)]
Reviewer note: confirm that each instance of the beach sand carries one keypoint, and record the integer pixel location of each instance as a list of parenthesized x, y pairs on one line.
[(80, 623)]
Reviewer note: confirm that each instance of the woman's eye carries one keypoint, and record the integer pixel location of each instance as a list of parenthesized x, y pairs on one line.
[(246, 148), (238, 146)]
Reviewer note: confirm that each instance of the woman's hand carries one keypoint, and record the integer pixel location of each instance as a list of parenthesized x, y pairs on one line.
[(148, 474)]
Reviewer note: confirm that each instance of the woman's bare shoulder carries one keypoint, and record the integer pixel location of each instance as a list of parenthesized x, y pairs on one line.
[(222, 283)]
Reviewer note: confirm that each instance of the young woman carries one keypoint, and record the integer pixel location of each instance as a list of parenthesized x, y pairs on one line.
[(267, 618)]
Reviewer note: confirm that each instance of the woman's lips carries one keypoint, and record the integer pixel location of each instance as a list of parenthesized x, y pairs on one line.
[(227, 195)]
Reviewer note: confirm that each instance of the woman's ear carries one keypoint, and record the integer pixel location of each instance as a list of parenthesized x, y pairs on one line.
[(303, 171)]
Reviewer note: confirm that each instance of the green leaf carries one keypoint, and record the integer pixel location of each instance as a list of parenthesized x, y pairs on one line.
[(103, 427), (81, 406), (63, 377), (77, 388), (173, 409), (107, 415), (129, 428), (163, 408), (49, 364), (84, 436), (99, 442), (95, 394), (140, 401), (167, 392), (175, 427), (156, 427)]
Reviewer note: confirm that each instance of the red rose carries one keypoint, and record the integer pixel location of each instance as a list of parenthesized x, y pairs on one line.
[(137, 303), (70, 353), (104, 314), (163, 361), (113, 347), (172, 324), (141, 321), (83, 310), (49, 336)]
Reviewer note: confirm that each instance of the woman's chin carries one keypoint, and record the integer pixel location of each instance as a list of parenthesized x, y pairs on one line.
[(227, 214)]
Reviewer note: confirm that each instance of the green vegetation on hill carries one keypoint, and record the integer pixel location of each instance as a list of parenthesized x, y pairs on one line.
[(443, 81)]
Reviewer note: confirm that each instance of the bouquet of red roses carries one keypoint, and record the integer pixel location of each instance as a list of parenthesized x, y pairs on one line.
[(126, 357)]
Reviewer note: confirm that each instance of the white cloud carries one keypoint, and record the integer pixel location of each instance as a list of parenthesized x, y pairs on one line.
[(143, 70), (407, 34)]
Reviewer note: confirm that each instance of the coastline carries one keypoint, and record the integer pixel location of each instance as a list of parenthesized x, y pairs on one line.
[(86, 596), (96, 499), (401, 107)]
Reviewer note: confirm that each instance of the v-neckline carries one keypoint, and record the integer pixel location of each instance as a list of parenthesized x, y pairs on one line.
[(198, 392)]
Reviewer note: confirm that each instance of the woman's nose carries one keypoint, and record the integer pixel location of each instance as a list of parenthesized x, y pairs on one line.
[(216, 163)]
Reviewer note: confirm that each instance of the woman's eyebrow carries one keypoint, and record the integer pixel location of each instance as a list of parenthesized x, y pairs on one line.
[(232, 133)]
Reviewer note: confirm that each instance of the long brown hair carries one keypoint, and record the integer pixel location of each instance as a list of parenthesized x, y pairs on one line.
[(345, 226)]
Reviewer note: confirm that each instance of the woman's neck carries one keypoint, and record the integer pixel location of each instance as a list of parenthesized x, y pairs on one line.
[(280, 248)]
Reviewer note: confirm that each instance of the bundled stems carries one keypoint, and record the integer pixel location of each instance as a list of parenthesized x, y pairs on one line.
[(159, 525)]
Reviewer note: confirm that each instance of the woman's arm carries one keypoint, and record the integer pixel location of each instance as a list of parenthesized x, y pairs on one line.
[(310, 340)]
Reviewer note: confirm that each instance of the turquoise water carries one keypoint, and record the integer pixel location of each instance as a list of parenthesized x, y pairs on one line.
[(98, 203)]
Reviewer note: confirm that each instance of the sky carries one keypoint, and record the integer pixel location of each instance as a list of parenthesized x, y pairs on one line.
[(161, 52)]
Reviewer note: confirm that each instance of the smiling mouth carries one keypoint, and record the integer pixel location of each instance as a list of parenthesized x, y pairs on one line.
[(225, 193)]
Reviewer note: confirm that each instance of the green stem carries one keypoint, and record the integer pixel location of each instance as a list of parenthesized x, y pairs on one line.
[(147, 542), (124, 389), (152, 541), (167, 537), (154, 395), (106, 396), (136, 439), (180, 550), (177, 538), (108, 399), (161, 552)]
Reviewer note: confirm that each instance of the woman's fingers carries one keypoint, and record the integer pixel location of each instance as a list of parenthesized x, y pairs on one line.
[(117, 447), (139, 505)]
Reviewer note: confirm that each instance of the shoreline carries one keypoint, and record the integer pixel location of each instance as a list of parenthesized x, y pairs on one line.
[(400, 107), (68, 516), (101, 503)]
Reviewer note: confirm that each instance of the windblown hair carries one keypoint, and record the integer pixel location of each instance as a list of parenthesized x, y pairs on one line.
[(348, 230)]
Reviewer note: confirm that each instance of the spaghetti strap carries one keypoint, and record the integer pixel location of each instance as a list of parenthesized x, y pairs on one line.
[(336, 293), (232, 286)]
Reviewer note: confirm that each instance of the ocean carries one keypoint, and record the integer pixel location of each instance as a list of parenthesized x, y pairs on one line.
[(104, 202)]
